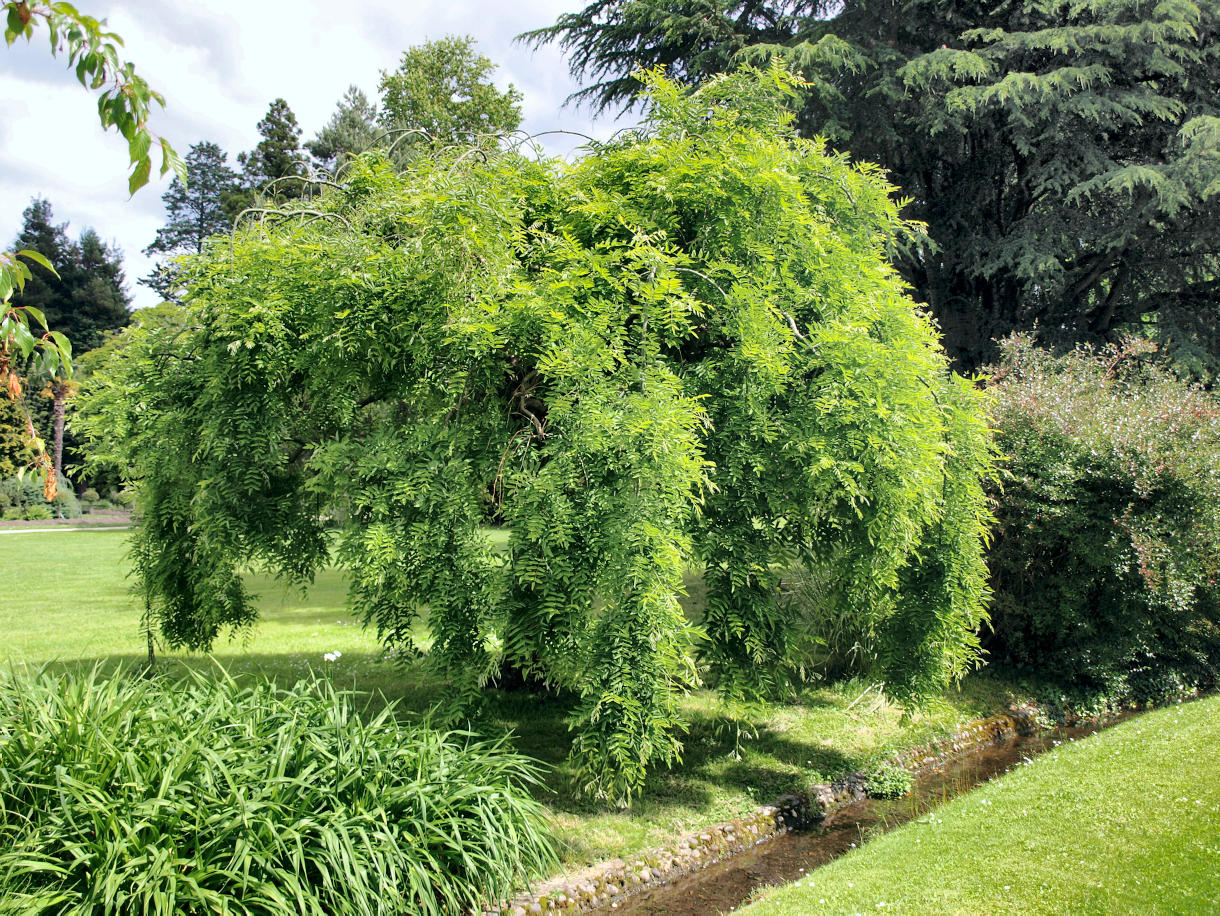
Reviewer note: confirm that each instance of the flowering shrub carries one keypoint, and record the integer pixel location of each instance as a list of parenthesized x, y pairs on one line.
[(1107, 548)]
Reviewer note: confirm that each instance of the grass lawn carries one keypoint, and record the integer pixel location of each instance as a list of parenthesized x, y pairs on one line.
[(1127, 821), (65, 601)]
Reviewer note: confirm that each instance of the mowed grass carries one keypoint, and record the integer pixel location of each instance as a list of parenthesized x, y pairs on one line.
[(1126, 821), (65, 601)]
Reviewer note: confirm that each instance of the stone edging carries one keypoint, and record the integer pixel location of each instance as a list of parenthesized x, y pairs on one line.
[(609, 882)]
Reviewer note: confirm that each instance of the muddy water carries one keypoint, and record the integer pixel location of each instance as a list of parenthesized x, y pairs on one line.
[(722, 887)]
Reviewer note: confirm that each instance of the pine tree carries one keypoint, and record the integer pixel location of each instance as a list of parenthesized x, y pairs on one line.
[(1065, 157), (278, 154), (197, 210), (87, 299), (351, 130)]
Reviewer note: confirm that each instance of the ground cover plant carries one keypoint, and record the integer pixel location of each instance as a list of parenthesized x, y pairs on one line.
[(120, 794), (81, 613), (1126, 821), (1107, 544), (685, 349)]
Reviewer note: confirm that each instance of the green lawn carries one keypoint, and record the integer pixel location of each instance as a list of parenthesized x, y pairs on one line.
[(65, 601), (1127, 821)]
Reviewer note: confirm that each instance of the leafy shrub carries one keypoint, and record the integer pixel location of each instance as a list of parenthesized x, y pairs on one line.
[(1107, 548), (89, 497), (26, 494), (886, 780), (121, 795), (37, 513), (13, 514)]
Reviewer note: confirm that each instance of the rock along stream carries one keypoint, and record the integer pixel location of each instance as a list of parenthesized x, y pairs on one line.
[(727, 884)]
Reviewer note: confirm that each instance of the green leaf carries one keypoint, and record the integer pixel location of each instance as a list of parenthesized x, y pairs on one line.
[(37, 258), (139, 175), (38, 315)]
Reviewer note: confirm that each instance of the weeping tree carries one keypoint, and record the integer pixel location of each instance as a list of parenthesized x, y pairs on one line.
[(686, 349)]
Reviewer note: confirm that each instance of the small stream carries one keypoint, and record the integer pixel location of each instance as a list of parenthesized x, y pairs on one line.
[(725, 885)]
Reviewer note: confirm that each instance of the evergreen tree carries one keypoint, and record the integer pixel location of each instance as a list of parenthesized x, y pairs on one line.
[(444, 88), (351, 130), (195, 211), (278, 154), (1065, 157), (87, 299)]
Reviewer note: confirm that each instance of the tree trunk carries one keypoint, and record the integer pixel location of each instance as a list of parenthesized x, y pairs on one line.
[(59, 391)]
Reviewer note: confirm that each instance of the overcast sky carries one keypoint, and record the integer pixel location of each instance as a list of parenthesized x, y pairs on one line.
[(219, 66)]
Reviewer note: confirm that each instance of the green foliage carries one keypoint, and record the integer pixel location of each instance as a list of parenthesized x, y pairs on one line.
[(885, 780), (79, 290), (196, 209), (1064, 156), (351, 130), (685, 348), (122, 795), (27, 496), (444, 89), (1108, 541), (277, 156), (125, 100)]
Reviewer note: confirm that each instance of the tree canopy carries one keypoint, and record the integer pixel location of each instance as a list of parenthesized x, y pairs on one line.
[(684, 349), (444, 89), (1065, 157), (195, 209)]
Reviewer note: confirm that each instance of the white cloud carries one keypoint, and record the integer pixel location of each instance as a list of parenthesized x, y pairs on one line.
[(219, 67)]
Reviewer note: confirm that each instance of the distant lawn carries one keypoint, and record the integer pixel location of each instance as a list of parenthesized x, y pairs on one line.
[(1127, 821), (64, 600)]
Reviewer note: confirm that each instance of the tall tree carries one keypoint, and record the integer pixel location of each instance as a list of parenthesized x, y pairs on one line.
[(196, 210), (1065, 157), (278, 154), (85, 297), (351, 130), (444, 88)]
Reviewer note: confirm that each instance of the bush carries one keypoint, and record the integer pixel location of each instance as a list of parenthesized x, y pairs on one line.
[(89, 497), (13, 514), (121, 795), (1107, 547), (26, 494), (886, 780)]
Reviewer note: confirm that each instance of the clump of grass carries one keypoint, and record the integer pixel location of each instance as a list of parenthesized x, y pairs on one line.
[(120, 795)]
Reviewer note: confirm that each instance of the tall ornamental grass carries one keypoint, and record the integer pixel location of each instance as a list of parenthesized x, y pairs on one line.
[(120, 795)]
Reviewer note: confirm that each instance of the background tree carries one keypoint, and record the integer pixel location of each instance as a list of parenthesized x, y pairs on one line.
[(351, 130), (278, 154), (1065, 157), (196, 209), (84, 297), (444, 88), (684, 349)]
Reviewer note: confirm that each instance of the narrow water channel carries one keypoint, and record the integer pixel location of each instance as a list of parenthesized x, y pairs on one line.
[(722, 887)]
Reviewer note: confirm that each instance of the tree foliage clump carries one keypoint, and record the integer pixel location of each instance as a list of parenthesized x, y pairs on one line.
[(1107, 547), (686, 348), (1064, 156)]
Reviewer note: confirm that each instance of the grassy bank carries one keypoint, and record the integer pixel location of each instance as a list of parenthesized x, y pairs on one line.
[(66, 603), (1126, 821)]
